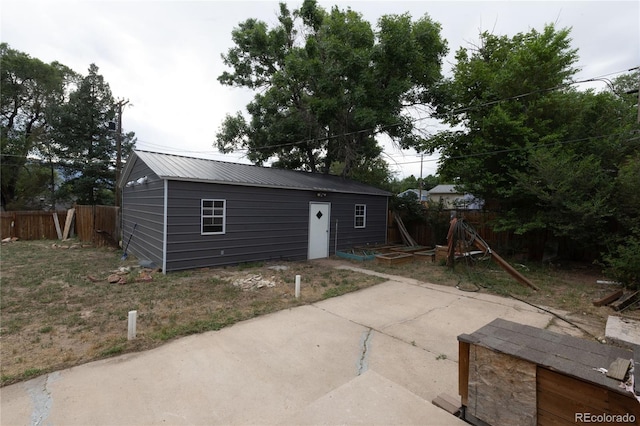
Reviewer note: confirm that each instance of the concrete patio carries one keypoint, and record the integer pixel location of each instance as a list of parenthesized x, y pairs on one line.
[(376, 356)]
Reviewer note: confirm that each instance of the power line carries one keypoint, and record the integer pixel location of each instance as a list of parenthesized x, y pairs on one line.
[(524, 148), (500, 151), (60, 160), (618, 72), (381, 128)]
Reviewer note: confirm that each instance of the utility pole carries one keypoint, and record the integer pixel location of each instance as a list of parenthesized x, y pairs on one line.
[(120, 104), (421, 185)]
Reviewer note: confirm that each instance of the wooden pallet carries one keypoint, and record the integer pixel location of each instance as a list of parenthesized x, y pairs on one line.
[(410, 249), (625, 301), (396, 258)]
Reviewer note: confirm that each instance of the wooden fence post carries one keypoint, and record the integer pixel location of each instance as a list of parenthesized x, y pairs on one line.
[(67, 224), (57, 223)]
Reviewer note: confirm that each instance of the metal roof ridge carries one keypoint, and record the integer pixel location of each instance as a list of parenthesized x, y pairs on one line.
[(310, 173), (254, 175)]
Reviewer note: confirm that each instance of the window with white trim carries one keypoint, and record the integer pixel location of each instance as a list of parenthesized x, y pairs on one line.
[(213, 217), (360, 218)]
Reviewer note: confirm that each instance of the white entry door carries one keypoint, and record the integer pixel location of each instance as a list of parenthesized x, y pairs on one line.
[(319, 230)]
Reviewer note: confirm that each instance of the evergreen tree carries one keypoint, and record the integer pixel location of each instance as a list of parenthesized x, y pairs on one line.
[(85, 144)]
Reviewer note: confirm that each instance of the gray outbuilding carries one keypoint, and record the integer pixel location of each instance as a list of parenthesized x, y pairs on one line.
[(183, 212)]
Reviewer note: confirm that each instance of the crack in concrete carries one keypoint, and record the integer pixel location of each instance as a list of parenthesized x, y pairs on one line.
[(421, 314), (366, 338), (38, 390), (365, 342), (369, 327)]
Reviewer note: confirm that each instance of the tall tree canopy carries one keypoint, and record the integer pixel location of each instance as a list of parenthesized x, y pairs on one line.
[(29, 88), (55, 136), (529, 142), (84, 143), (496, 99), (327, 83)]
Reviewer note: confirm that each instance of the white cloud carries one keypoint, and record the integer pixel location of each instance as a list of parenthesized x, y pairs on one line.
[(164, 56)]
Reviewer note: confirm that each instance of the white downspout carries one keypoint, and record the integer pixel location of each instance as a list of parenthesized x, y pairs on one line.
[(164, 226)]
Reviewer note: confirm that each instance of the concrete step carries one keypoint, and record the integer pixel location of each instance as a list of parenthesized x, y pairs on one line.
[(371, 399), (623, 331)]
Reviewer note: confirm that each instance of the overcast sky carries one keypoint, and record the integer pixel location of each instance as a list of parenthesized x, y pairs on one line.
[(164, 56)]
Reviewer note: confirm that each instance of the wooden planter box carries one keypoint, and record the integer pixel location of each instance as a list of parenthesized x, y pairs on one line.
[(394, 258), (360, 256), (425, 256), (379, 248), (441, 253), (514, 374), (404, 249)]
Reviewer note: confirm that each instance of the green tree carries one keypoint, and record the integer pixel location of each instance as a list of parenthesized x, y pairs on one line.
[(575, 182), (530, 144), (496, 95), (372, 171), (411, 182), (622, 259), (29, 88), (621, 256), (33, 187), (327, 85), (85, 145)]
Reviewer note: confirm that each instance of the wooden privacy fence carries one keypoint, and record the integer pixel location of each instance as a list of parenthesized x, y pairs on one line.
[(530, 245), (99, 225), (31, 225)]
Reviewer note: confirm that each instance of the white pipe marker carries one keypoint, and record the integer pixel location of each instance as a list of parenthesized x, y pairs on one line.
[(297, 286), (132, 325)]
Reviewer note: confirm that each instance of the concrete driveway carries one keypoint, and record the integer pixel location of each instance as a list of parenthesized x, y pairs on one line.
[(377, 356)]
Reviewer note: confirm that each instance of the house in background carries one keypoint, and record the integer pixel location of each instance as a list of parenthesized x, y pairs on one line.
[(420, 195), (193, 213), (453, 199)]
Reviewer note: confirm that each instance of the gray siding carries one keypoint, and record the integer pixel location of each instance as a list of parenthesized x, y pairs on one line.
[(343, 209), (261, 224), (144, 205)]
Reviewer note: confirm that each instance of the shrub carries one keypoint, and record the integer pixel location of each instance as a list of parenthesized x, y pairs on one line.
[(623, 263)]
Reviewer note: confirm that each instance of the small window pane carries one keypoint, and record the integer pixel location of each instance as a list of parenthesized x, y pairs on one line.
[(213, 214), (360, 217)]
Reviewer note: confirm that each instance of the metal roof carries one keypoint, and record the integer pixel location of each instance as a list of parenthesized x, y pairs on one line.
[(177, 167), (444, 189)]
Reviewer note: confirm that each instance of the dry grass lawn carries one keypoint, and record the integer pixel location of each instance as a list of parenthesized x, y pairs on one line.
[(58, 310)]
